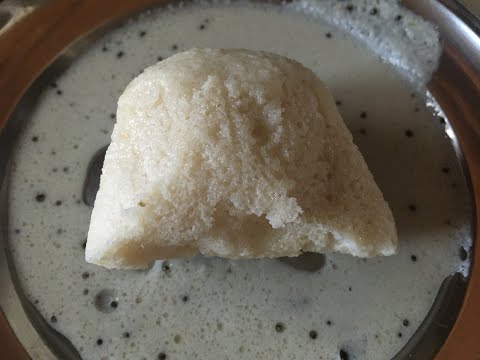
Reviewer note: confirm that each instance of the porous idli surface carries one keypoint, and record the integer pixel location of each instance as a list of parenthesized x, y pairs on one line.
[(233, 153)]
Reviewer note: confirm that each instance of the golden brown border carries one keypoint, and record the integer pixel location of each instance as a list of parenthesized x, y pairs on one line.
[(456, 86), (34, 42), (11, 347)]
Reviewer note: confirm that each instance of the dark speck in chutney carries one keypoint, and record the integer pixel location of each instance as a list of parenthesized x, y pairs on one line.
[(162, 356), (34, 138), (112, 116), (201, 27), (406, 322), (120, 54), (329, 323), (442, 120), (84, 244), (85, 275), (114, 304), (126, 334), (408, 133), (279, 327), (17, 231), (349, 7), (399, 334), (363, 131), (142, 33), (59, 92), (65, 169), (174, 47), (416, 109), (363, 114), (159, 58), (338, 102), (313, 334), (166, 266), (40, 197), (412, 207), (445, 170), (59, 231), (344, 355), (58, 202), (374, 11), (413, 258), (328, 35), (85, 291), (349, 288), (99, 342), (398, 17), (53, 319), (53, 85), (184, 298), (104, 48)]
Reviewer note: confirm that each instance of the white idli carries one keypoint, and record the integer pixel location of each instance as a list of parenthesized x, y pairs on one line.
[(233, 153)]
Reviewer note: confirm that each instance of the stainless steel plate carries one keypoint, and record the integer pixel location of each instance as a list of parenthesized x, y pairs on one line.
[(455, 86)]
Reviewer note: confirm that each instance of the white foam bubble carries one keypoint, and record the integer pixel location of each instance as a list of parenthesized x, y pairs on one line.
[(396, 34)]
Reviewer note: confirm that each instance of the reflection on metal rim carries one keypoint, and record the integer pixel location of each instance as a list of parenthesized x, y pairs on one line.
[(455, 87), (462, 49), (434, 329)]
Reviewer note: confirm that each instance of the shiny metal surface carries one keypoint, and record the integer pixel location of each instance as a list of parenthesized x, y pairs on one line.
[(92, 178), (459, 28), (12, 11), (434, 329), (23, 317)]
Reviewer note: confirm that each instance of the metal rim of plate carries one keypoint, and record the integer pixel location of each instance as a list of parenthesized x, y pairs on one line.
[(28, 59)]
